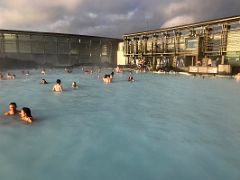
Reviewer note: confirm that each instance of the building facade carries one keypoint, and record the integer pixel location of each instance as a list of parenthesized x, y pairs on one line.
[(214, 43), (38, 49)]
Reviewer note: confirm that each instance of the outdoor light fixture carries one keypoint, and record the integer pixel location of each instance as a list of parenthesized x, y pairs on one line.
[(192, 33)]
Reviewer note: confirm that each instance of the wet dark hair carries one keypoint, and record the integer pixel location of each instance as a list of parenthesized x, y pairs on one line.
[(27, 111), (74, 84), (13, 103), (130, 78), (106, 76), (58, 81), (112, 73)]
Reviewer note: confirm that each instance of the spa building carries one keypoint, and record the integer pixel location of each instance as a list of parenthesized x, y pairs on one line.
[(19, 49), (204, 47)]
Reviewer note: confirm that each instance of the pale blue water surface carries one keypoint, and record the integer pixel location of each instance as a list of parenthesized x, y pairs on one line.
[(159, 127)]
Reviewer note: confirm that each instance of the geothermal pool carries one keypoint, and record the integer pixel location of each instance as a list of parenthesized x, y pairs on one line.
[(159, 127)]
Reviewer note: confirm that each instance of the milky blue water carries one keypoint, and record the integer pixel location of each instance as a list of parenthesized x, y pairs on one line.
[(159, 127)]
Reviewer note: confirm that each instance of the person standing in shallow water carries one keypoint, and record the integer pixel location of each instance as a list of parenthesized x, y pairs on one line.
[(57, 87)]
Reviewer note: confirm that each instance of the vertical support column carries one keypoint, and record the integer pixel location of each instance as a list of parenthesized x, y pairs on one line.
[(144, 54), (90, 53), (162, 40), (57, 49), (176, 42), (154, 51), (224, 37), (131, 50), (1, 43), (222, 59), (136, 45), (17, 43), (135, 48), (145, 38), (165, 35), (127, 48), (100, 51), (140, 49)]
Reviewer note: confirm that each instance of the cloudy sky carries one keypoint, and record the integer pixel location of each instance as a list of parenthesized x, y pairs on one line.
[(109, 18)]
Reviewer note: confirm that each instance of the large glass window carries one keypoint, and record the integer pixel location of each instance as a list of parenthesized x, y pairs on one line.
[(191, 43), (50, 44), (95, 47), (1, 43), (217, 29), (24, 42), (234, 26), (74, 46), (104, 50), (10, 43), (84, 46), (10, 37), (37, 44), (149, 45), (63, 45)]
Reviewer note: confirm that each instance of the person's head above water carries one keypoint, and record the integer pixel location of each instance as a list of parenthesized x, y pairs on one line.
[(74, 84), (43, 81), (57, 87), (106, 75), (13, 104), (58, 81), (26, 112), (26, 115), (12, 109)]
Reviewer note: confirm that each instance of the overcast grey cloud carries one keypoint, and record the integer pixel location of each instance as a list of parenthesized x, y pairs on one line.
[(109, 18)]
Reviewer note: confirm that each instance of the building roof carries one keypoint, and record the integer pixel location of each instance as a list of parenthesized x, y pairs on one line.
[(52, 34), (186, 26)]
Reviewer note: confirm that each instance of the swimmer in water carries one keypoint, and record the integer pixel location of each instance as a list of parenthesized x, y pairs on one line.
[(112, 73), (110, 77), (12, 110), (26, 115), (68, 70), (57, 87), (237, 77), (106, 79), (10, 76), (1, 76), (27, 73), (99, 70), (117, 69), (130, 77), (43, 81), (74, 85), (43, 72)]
